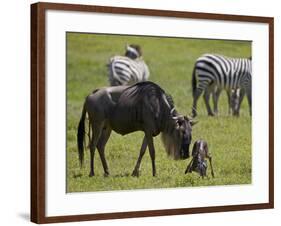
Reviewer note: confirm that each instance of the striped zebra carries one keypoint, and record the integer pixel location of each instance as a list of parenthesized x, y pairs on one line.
[(213, 73), (128, 69)]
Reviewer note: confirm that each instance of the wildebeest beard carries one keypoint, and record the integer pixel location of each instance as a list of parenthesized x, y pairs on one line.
[(185, 148), (176, 145)]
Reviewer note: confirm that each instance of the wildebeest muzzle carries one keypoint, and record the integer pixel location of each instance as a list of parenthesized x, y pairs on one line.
[(184, 154)]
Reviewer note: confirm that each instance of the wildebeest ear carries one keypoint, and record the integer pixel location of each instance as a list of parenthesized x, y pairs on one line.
[(192, 123)]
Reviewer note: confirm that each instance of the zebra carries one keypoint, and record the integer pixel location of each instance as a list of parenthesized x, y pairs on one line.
[(213, 73), (128, 69), (133, 51)]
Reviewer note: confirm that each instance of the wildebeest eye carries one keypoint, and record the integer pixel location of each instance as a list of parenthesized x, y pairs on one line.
[(179, 123)]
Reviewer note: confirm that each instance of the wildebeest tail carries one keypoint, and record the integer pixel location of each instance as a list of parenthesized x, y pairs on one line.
[(194, 81), (81, 135)]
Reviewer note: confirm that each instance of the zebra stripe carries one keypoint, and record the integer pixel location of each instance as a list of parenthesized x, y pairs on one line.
[(225, 72), (221, 72), (124, 70)]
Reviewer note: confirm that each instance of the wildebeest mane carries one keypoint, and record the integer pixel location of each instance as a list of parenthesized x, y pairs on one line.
[(135, 93), (146, 102), (170, 100)]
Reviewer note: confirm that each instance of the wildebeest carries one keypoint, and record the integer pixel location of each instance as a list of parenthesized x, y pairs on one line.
[(125, 109), (198, 162)]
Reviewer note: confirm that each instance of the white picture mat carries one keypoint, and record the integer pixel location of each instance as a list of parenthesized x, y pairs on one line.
[(60, 203)]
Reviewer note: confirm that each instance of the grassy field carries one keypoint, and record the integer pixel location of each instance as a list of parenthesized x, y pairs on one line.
[(171, 62)]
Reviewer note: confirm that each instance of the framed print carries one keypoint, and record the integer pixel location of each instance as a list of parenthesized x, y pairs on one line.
[(140, 112)]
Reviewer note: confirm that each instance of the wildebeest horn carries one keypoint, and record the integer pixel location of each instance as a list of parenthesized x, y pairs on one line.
[(192, 123), (190, 119), (172, 111), (178, 117)]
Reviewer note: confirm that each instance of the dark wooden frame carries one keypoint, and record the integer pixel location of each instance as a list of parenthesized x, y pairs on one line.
[(38, 22)]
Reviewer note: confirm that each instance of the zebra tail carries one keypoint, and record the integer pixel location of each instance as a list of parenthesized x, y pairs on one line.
[(194, 81)]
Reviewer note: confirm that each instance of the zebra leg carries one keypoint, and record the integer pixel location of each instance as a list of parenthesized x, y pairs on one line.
[(142, 151), (216, 94), (196, 96), (249, 97), (101, 147), (236, 107), (228, 92), (206, 99)]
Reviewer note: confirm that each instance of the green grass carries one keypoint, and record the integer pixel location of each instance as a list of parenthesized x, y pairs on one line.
[(171, 62)]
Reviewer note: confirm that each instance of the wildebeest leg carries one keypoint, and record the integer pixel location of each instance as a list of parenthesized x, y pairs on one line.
[(149, 138), (101, 147), (142, 151), (196, 95), (216, 95), (188, 168), (206, 99), (212, 171), (97, 128)]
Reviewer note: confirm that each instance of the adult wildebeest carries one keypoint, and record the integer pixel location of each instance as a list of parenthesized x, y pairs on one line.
[(126, 109), (198, 163)]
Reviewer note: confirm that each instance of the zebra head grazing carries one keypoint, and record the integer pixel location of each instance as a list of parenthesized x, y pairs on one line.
[(176, 137), (133, 51)]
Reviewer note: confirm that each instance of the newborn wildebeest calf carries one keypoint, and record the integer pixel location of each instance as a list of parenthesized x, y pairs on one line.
[(198, 163)]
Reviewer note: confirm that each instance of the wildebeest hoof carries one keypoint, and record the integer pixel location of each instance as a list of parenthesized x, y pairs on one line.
[(211, 114), (106, 174), (91, 174), (136, 173)]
